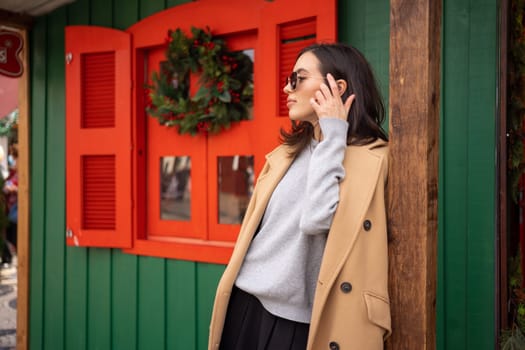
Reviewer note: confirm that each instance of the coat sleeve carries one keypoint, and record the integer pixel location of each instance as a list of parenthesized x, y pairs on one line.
[(325, 172)]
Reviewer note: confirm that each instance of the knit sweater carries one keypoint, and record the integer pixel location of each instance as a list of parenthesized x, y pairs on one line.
[(283, 261)]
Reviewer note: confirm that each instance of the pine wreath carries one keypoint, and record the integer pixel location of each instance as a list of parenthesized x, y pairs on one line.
[(225, 87)]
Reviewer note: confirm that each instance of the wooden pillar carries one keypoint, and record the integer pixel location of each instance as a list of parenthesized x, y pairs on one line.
[(415, 29), (22, 25)]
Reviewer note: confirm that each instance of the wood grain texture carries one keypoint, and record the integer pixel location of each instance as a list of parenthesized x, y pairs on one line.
[(414, 132)]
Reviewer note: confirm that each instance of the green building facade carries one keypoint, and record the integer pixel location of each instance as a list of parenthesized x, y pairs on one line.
[(100, 298)]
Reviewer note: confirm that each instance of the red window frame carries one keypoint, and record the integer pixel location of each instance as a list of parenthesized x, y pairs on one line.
[(268, 28), (161, 141)]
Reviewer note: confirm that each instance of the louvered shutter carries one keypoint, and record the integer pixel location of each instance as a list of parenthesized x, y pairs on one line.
[(98, 137), (286, 27), (292, 38)]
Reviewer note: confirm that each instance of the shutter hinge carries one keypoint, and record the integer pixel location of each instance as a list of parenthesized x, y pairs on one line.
[(69, 57), (69, 235)]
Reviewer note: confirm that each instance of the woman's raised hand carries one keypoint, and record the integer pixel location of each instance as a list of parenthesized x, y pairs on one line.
[(328, 103)]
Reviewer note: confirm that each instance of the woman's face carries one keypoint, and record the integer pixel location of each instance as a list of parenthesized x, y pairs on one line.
[(309, 79)]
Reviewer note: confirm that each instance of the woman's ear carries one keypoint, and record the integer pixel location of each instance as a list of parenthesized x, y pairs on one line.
[(341, 86)]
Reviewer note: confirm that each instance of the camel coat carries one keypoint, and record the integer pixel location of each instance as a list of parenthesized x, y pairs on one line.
[(351, 309)]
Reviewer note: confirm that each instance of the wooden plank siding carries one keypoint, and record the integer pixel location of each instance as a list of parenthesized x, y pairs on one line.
[(87, 298), (365, 24), (467, 197), (98, 298), (55, 251), (76, 269), (37, 182)]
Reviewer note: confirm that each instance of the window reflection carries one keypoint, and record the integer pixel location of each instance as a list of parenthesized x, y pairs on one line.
[(235, 186), (175, 187), (175, 81), (247, 91)]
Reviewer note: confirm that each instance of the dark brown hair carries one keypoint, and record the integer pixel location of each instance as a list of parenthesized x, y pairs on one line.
[(367, 112)]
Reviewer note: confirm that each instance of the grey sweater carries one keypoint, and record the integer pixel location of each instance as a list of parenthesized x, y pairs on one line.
[(282, 264)]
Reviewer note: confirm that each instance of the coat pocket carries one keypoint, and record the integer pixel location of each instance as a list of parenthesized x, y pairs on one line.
[(378, 309)]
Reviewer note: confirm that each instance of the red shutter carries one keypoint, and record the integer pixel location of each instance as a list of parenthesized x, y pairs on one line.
[(292, 38), (285, 28), (98, 137)]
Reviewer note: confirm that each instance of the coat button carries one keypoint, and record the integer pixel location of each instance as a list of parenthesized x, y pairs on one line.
[(333, 345), (346, 287), (367, 225)]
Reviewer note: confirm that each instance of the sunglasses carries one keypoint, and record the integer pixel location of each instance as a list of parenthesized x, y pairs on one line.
[(294, 78)]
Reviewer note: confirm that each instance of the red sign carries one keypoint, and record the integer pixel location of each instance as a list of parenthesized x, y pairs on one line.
[(10, 46)]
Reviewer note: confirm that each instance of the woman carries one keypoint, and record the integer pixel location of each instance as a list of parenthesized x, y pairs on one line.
[(309, 269)]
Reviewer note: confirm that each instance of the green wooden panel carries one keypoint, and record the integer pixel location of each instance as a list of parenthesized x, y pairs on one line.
[(127, 13), (208, 276), (54, 237), (351, 21), (102, 13), (75, 298), (482, 174), (151, 317), (453, 185), (124, 301), (171, 3), (467, 197), (78, 13), (181, 317), (149, 7), (76, 278), (99, 299), (365, 24), (38, 42), (377, 41)]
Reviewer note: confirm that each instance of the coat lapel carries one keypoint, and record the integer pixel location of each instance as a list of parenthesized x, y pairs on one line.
[(277, 163)]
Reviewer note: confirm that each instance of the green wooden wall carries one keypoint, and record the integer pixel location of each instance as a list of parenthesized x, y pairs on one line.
[(103, 299), (97, 298), (467, 197), (365, 24)]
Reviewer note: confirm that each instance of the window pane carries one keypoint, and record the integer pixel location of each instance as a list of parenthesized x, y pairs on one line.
[(235, 186), (175, 187), (248, 90)]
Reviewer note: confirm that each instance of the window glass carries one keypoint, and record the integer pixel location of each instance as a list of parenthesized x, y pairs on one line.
[(175, 188), (235, 183), (248, 89)]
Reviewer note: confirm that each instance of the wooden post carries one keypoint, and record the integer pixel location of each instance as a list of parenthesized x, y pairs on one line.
[(415, 29), (22, 24)]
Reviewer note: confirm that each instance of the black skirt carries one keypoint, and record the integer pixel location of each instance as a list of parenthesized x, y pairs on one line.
[(248, 326)]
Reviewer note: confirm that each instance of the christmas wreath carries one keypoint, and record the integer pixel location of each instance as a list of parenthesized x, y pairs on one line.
[(225, 85)]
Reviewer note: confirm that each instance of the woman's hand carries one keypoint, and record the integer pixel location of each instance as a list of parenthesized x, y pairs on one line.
[(328, 103)]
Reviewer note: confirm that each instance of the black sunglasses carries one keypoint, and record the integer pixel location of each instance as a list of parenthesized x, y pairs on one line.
[(292, 80), (294, 77)]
